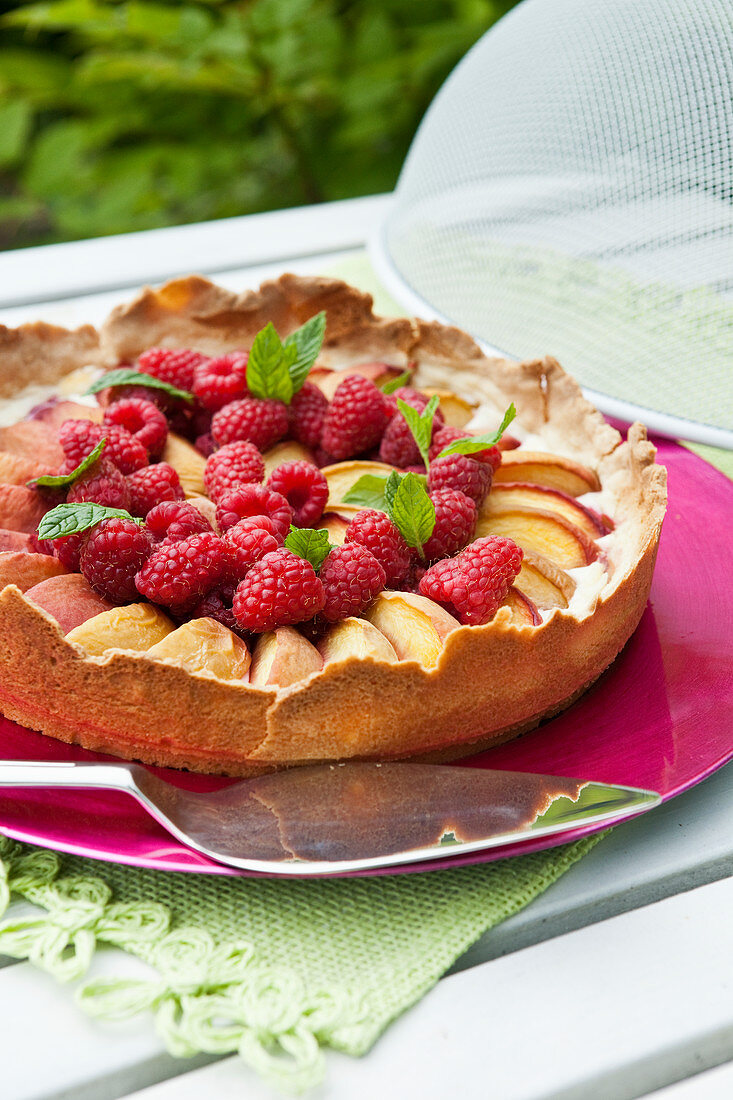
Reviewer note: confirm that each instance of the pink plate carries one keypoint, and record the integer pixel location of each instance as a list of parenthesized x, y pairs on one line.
[(661, 717)]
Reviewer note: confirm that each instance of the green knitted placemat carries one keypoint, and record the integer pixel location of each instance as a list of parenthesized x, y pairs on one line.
[(273, 969)]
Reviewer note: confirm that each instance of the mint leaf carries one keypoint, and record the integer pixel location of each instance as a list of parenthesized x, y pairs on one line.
[(64, 481), (70, 519), (420, 424), (313, 545), (268, 366), (126, 376), (413, 512), (397, 383), (479, 442), (307, 341), (391, 486), (368, 492)]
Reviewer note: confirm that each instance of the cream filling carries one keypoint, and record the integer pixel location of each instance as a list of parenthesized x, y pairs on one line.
[(70, 388)]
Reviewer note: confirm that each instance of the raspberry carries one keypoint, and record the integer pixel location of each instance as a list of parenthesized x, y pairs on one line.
[(104, 484), (78, 438), (445, 435), (151, 485), (416, 400), (217, 605), (111, 556), (398, 447), (179, 574), (455, 523), (355, 419), (378, 534), (173, 520), (120, 447), (68, 549), (142, 419), (305, 489), (124, 450), (204, 444), (351, 578), (217, 382), (473, 584), (254, 500), (234, 464), (323, 458), (279, 589), (248, 541), (261, 421), (172, 365), (306, 414), (411, 581), (461, 472)]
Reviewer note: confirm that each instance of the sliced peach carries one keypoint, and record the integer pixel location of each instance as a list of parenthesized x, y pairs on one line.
[(522, 494), (34, 440), (288, 451), (358, 638), (549, 534), (416, 626), (282, 657), (17, 541), (543, 582), (523, 610), (342, 476), (16, 470), (21, 509), (204, 645), (135, 626), (26, 569), (187, 462), (456, 412), (551, 470), (54, 412), (328, 380), (69, 599)]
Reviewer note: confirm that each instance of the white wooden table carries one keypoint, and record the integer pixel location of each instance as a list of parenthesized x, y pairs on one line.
[(615, 983)]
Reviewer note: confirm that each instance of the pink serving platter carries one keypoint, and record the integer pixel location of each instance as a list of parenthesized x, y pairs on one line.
[(661, 717)]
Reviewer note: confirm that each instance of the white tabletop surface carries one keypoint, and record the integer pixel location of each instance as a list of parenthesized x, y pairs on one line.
[(617, 982)]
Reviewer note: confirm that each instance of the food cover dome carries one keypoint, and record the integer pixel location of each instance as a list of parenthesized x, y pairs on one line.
[(570, 191)]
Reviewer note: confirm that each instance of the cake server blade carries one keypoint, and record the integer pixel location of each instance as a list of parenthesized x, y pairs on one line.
[(336, 818)]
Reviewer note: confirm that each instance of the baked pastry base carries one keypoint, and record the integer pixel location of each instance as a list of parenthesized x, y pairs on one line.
[(491, 682)]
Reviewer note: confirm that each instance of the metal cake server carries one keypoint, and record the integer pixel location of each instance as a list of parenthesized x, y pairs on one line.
[(335, 818)]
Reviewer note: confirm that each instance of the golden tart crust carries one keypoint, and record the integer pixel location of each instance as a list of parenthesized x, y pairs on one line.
[(490, 683)]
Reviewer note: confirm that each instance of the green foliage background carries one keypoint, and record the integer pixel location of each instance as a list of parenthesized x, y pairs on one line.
[(118, 115)]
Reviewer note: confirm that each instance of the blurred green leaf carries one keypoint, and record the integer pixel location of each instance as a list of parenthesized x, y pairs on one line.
[(118, 115), (15, 122)]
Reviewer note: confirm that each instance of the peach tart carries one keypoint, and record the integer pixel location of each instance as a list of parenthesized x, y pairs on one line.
[(247, 532)]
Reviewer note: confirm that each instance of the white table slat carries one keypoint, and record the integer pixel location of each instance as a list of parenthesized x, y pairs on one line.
[(92, 309), (81, 267), (52, 1051), (590, 1014), (715, 1084)]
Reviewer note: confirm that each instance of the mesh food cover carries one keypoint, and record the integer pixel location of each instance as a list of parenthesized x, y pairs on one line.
[(570, 190)]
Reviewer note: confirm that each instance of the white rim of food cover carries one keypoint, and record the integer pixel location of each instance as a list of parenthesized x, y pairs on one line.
[(672, 427)]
